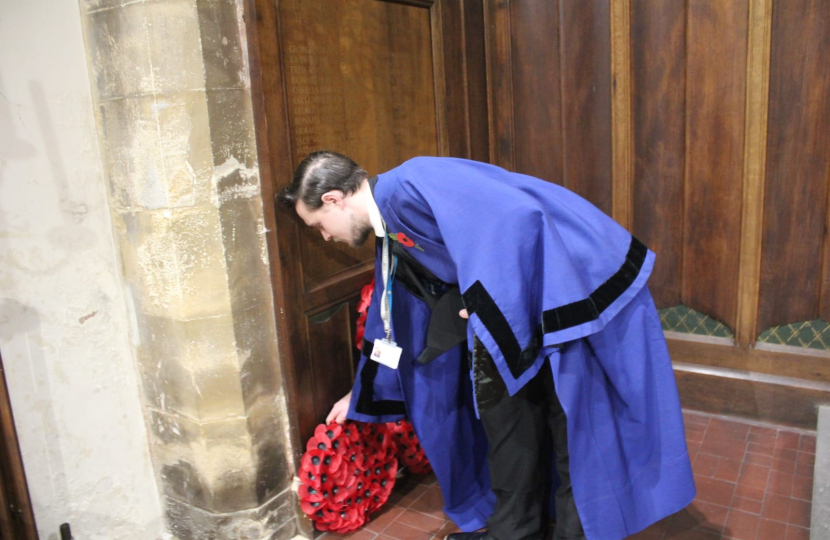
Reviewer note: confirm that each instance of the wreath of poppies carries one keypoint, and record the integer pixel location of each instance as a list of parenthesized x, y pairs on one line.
[(348, 471)]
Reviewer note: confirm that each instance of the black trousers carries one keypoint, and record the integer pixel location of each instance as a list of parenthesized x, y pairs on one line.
[(521, 431)]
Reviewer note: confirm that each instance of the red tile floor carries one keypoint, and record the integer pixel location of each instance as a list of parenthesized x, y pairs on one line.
[(754, 482)]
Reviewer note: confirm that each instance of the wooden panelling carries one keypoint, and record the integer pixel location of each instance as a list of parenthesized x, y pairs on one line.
[(359, 81), (466, 96), (622, 128), (330, 336), (381, 81), (585, 52), (804, 364), (536, 79), (500, 103), (658, 52), (798, 159), (755, 145), (767, 398), (475, 71), (715, 103)]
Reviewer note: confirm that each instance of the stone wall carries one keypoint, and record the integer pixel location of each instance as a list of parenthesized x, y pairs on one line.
[(172, 100)]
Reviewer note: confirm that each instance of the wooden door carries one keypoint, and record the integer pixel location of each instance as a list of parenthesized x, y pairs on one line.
[(382, 82), (16, 519), (704, 128)]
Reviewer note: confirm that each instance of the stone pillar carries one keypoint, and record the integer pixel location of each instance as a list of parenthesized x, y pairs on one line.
[(171, 91)]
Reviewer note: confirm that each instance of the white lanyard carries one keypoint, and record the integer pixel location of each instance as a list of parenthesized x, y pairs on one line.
[(385, 299)]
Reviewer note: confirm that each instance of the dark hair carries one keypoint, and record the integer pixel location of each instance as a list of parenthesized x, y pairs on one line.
[(318, 174)]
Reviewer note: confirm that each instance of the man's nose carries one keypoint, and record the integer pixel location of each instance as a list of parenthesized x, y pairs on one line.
[(326, 236)]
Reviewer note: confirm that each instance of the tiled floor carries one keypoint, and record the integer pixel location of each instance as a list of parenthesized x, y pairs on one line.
[(754, 482)]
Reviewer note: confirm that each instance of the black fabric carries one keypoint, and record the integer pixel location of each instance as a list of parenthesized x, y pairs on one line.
[(366, 403), (488, 384), (446, 327), (478, 301), (521, 430)]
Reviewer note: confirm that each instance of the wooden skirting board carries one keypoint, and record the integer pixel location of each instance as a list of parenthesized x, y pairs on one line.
[(773, 384)]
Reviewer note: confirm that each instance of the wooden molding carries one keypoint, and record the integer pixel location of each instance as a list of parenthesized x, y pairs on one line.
[(761, 397), (755, 146), (622, 129)]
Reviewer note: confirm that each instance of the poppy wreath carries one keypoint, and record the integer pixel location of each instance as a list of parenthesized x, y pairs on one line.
[(348, 471), (363, 310)]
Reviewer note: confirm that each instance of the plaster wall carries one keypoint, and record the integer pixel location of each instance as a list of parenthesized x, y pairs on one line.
[(66, 338)]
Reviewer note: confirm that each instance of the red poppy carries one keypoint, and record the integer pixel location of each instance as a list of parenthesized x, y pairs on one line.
[(363, 310), (405, 240)]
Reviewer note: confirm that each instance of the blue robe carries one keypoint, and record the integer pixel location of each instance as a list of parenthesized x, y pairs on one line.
[(546, 276)]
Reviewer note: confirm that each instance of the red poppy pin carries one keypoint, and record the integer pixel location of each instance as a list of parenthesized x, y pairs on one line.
[(404, 240)]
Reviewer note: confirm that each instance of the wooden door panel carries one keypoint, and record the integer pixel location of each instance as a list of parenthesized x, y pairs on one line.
[(794, 269), (370, 79), (537, 89), (716, 90), (550, 92), (360, 82), (658, 62), (330, 355), (586, 96)]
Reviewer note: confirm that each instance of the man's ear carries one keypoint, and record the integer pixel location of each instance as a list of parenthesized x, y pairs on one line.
[(334, 197)]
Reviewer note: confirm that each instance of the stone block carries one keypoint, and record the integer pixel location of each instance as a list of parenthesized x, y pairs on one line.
[(119, 52), (277, 516), (88, 6), (191, 367), (221, 45), (246, 254), (208, 465), (231, 127), (267, 424), (158, 151), (174, 261), (258, 353), (175, 48)]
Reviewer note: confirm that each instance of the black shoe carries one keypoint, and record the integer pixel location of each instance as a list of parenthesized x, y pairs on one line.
[(469, 536)]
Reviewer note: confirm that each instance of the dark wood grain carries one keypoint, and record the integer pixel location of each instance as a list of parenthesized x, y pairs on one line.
[(585, 61), (716, 88), (794, 273), (475, 71), (658, 54), (465, 95), (499, 58), (359, 77), (330, 354), (16, 517), (536, 78)]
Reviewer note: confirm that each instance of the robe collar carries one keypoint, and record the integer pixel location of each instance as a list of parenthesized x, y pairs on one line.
[(374, 212)]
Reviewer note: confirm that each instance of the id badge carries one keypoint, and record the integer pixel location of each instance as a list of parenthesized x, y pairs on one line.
[(387, 353)]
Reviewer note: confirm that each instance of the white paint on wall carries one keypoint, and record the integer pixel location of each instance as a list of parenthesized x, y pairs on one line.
[(65, 334)]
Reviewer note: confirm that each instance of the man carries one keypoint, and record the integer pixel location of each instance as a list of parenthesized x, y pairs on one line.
[(565, 340)]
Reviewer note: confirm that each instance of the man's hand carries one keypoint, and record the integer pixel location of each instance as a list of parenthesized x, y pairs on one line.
[(340, 409), (463, 314)]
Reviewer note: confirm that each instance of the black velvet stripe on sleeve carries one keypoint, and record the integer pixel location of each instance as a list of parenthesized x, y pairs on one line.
[(366, 403), (478, 301)]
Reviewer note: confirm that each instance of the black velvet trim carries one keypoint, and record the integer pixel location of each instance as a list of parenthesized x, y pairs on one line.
[(366, 403), (478, 300)]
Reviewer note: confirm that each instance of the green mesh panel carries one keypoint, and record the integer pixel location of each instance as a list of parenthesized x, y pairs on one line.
[(684, 319), (810, 334)]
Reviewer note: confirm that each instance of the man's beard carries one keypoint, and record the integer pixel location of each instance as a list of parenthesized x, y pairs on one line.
[(360, 233)]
